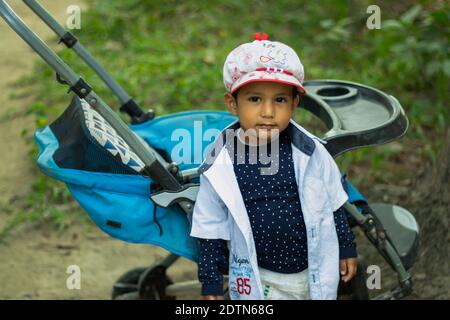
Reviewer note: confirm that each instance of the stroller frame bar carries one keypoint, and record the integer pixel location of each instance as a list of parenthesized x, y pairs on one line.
[(155, 166), (128, 104), (387, 251)]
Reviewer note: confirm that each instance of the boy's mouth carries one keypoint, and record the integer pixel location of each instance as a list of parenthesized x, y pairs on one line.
[(266, 126)]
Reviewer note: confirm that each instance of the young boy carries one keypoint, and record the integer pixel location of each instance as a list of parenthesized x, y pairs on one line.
[(283, 224)]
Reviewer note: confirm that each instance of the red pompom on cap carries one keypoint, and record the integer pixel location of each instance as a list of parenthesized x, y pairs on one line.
[(258, 36)]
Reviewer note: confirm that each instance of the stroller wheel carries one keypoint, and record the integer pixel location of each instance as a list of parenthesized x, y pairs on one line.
[(153, 282), (356, 289), (127, 283)]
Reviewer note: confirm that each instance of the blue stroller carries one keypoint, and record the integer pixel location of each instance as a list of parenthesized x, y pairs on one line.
[(135, 188)]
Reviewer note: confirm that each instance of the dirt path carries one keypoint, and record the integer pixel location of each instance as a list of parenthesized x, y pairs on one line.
[(16, 60), (34, 261)]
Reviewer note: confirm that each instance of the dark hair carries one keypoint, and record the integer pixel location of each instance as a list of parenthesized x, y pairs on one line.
[(294, 93)]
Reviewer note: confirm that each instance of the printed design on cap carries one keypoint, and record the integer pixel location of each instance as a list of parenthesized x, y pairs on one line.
[(235, 74), (248, 57), (276, 57)]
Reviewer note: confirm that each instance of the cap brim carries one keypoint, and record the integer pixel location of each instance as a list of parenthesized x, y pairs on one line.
[(264, 76)]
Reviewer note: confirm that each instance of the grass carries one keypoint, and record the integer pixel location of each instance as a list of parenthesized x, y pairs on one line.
[(48, 202), (169, 56)]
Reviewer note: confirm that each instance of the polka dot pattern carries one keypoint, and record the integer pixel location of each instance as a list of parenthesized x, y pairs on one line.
[(211, 265), (273, 206)]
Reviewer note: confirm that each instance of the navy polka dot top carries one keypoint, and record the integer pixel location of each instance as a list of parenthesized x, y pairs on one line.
[(273, 206)]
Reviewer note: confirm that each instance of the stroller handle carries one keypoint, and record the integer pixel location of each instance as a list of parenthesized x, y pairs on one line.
[(155, 166), (128, 104), (36, 43)]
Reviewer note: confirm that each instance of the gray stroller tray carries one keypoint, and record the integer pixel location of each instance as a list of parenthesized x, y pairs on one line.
[(355, 115)]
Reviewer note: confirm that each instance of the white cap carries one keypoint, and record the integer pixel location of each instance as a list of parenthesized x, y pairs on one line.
[(262, 60)]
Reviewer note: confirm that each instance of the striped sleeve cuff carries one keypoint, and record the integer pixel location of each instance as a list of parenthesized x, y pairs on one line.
[(347, 252), (215, 289)]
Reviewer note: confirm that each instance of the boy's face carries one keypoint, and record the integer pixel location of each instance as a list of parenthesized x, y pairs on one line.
[(265, 107)]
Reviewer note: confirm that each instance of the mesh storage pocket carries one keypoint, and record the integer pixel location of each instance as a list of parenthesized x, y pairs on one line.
[(87, 142)]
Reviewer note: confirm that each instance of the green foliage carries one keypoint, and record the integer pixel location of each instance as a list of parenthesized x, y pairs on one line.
[(170, 55), (48, 202), (413, 52)]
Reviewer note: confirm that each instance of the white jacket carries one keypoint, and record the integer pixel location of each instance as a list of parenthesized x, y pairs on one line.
[(220, 213)]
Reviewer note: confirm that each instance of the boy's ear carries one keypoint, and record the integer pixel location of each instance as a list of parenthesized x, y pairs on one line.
[(295, 102), (231, 103)]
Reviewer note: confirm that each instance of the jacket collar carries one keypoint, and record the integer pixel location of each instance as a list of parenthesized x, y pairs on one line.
[(220, 172), (300, 138)]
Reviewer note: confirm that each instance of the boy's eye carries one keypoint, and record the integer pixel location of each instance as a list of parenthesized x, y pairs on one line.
[(257, 99), (254, 99)]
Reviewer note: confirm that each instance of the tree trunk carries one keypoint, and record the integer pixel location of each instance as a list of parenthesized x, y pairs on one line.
[(431, 207)]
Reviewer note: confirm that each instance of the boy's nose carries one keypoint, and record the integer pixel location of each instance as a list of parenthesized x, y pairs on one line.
[(268, 110)]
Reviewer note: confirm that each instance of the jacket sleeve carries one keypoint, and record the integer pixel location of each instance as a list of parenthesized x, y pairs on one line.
[(332, 180), (346, 237), (210, 219), (211, 265)]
